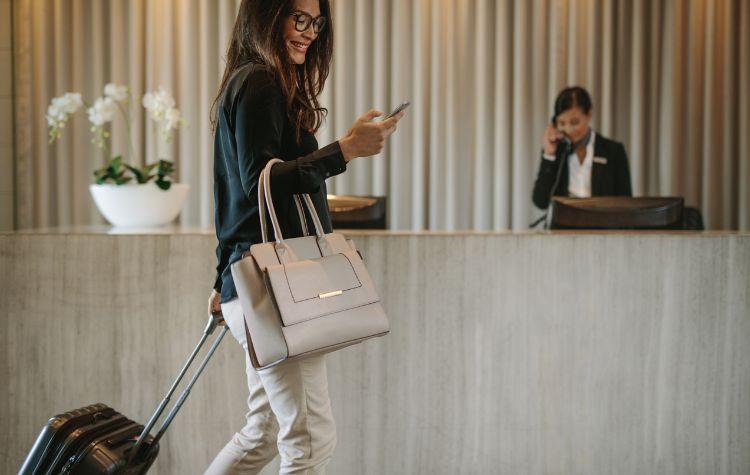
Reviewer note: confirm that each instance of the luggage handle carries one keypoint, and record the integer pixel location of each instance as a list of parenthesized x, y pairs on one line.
[(213, 321)]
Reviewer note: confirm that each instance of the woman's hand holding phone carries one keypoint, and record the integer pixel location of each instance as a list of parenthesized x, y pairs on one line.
[(552, 137), (367, 136)]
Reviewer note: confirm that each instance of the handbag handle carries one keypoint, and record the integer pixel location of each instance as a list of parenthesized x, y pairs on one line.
[(262, 211), (301, 214), (266, 202), (272, 211)]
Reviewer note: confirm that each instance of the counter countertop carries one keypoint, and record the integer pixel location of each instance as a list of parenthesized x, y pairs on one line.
[(185, 230)]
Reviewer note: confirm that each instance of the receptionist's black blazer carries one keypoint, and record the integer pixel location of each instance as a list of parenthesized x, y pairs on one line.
[(607, 179)]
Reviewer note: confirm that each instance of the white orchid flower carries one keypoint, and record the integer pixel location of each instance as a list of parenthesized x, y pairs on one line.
[(55, 116), (158, 104), (63, 106), (68, 103), (172, 119), (59, 112), (102, 111), (116, 93)]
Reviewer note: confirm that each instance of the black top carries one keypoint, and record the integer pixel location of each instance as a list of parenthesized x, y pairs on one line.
[(253, 127), (607, 179)]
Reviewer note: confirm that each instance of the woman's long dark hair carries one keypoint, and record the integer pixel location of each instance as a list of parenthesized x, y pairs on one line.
[(258, 37)]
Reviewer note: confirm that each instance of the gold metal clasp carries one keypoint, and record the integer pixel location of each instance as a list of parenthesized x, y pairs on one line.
[(330, 294)]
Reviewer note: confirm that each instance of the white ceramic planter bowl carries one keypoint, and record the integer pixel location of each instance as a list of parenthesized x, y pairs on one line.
[(144, 205)]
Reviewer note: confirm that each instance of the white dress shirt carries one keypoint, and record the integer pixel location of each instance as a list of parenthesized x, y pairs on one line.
[(579, 174)]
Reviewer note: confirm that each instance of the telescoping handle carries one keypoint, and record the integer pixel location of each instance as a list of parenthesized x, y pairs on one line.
[(214, 320)]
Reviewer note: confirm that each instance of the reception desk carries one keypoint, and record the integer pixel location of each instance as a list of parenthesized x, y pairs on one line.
[(510, 353)]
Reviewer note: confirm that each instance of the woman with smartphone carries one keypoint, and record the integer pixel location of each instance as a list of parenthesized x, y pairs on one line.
[(267, 106), (592, 165)]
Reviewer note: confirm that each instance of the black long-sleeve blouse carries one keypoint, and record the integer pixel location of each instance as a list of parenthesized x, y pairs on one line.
[(253, 127)]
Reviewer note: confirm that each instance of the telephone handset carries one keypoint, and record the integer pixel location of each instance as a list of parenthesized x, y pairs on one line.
[(566, 140)]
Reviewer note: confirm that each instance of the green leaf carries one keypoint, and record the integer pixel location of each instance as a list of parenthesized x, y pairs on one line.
[(166, 168), (164, 185), (139, 175), (117, 172), (113, 172), (102, 175), (143, 175), (148, 168)]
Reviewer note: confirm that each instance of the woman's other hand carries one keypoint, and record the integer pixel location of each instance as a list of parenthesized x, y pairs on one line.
[(214, 304), (367, 138), (552, 137)]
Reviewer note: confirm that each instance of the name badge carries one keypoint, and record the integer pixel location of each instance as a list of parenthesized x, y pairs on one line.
[(601, 160)]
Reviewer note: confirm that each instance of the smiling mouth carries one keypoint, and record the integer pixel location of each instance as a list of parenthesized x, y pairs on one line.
[(298, 46)]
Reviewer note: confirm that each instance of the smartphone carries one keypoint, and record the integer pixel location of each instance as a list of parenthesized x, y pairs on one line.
[(398, 109)]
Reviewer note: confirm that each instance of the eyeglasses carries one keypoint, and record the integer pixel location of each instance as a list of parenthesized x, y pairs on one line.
[(302, 22)]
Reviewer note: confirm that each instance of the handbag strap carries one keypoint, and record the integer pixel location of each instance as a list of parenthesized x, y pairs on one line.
[(272, 211), (262, 211), (301, 214), (265, 201)]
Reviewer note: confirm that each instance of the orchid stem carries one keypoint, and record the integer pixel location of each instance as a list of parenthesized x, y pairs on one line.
[(155, 134), (126, 115)]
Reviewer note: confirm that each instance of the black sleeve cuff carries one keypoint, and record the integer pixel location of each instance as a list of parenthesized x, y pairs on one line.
[(548, 166), (336, 160), (329, 160), (306, 174)]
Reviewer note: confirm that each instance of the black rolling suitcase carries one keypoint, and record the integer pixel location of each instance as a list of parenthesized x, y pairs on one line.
[(97, 439)]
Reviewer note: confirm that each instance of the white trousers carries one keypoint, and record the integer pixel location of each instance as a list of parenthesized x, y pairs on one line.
[(289, 413)]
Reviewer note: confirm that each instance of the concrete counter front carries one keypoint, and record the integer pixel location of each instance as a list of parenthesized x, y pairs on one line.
[(530, 353)]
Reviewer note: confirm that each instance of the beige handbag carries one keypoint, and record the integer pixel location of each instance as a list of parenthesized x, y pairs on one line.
[(305, 295)]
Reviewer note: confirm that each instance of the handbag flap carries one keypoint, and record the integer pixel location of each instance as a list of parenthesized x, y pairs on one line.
[(307, 247), (312, 288), (324, 276)]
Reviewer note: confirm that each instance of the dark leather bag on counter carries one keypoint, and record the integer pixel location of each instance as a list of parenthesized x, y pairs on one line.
[(617, 212), (357, 212)]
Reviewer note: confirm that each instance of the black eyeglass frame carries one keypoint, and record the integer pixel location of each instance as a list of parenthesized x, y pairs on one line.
[(303, 20)]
